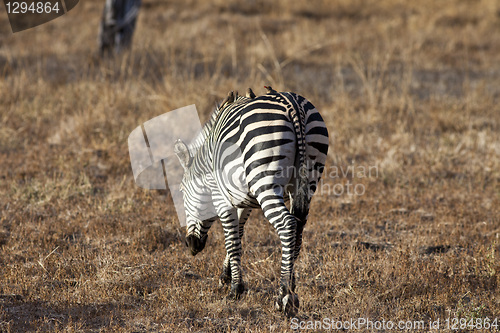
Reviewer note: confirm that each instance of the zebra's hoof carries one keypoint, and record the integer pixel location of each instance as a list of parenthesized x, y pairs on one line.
[(289, 305), (236, 291)]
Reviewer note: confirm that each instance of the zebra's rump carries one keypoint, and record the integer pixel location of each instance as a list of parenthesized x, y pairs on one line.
[(256, 146)]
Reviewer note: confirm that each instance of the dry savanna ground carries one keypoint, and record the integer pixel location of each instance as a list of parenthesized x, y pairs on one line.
[(410, 91)]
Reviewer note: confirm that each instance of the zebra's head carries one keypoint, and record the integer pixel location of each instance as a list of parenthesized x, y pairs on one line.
[(195, 244), (197, 228)]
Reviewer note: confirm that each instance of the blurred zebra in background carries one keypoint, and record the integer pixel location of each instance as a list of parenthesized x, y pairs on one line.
[(254, 152), (117, 25)]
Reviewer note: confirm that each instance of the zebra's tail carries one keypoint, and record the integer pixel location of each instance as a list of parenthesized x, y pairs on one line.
[(300, 202)]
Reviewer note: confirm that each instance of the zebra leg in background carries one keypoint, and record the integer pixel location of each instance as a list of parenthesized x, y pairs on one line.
[(225, 277), (117, 25), (279, 216), (230, 223)]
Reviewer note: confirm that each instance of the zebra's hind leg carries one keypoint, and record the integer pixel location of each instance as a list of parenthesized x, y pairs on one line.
[(287, 300), (279, 216), (230, 223), (225, 277), (298, 245)]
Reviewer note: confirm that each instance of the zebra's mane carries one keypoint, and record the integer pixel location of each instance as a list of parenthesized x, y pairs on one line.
[(200, 138)]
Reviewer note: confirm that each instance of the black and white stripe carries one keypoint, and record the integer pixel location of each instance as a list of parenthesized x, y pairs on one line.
[(254, 152)]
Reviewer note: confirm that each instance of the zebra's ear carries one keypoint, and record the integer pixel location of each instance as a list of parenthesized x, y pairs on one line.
[(182, 152)]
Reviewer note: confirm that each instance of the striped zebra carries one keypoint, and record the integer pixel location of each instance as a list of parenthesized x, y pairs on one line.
[(254, 152)]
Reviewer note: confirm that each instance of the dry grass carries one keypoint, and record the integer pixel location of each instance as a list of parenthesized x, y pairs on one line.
[(410, 89)]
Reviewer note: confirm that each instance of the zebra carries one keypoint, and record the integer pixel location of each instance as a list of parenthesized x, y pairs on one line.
[(282, 144)]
